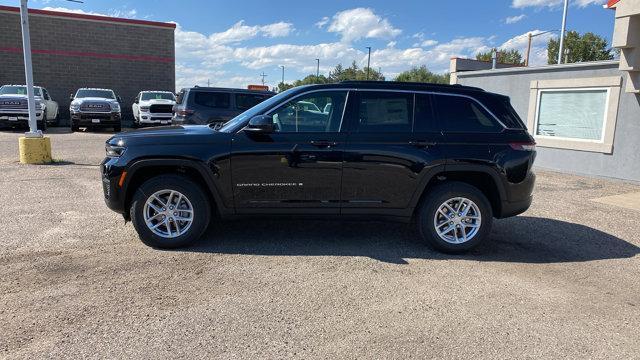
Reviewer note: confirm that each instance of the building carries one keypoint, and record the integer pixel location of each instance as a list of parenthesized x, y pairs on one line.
[(72, 50), (585, 117)]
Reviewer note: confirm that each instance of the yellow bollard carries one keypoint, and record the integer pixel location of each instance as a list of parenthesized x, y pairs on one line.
[(35, 150)]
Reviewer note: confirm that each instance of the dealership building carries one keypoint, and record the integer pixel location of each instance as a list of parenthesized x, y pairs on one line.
[(72, 50)]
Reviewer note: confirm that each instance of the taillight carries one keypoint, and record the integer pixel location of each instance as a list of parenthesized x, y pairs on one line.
[(184, 112), (523, 146)]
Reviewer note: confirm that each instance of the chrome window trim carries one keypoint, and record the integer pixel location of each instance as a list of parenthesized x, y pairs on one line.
[(428, 92)]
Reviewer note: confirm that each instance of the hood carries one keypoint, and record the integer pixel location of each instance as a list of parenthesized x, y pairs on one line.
[(81, 100), (168, 135), (18, 96)]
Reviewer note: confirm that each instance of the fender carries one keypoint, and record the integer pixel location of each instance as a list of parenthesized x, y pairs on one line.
[(212, 186)]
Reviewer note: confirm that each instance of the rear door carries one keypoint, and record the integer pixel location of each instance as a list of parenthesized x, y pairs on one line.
[(385, 159), (299, 166)]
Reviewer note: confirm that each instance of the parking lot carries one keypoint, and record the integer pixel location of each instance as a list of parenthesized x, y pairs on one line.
[(561, 280)]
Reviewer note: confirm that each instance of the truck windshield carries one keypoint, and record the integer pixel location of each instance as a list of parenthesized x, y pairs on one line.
[(18, 90), (237, 122), (83, 93), (157, 96)]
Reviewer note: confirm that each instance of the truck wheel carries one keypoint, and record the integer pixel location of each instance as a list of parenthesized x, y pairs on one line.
[(170, 211), (42, 125), (454, 217), (117, 128), (74, 127)]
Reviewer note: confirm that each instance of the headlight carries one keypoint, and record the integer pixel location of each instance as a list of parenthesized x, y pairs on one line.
[(74, 107), (115, 107), (42, 106), (115, 149), (144, 108)]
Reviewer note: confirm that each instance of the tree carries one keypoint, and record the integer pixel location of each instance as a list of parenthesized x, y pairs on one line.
[(587, 47), (512, 56), (353, 73), (422, 74)]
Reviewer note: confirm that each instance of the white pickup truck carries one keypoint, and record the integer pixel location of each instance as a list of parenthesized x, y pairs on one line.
[(14, 109), (153, 108)]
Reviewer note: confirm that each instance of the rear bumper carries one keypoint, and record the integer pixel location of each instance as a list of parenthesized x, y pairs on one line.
[(520, 197)]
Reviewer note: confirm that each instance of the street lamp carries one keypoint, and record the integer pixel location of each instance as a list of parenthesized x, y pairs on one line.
[(282, 66), (368, 61), (562, 30), (318, 70), (531, 36)]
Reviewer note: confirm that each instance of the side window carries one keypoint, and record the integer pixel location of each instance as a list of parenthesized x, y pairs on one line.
[(424, 120), (216, 100), (317, 112), (384, 112), (461, 114), (247, 101)]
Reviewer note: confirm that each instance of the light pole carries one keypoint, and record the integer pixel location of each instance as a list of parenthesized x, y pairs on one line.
[(530, 39), (282, 66), (562, 30), (28, 70), (317, 70), (368, 61)]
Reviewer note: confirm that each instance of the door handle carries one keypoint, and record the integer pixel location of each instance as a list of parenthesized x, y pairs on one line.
[(323, 143), (421, 143)]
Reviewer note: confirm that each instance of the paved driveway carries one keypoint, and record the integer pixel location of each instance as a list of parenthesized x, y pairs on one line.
[(562, 280)]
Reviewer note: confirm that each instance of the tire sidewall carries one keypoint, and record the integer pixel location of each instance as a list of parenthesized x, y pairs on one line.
[(438, 197), (192, 191)]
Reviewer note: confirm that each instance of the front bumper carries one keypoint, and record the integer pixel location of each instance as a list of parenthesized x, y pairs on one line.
[(15, 117), (155, 118), (110, 174), (96, 119)]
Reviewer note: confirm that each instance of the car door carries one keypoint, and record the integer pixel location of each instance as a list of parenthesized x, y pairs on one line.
[(392, 146), (298, 167)]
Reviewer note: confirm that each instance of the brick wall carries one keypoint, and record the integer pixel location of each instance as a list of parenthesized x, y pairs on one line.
[(73, 53)]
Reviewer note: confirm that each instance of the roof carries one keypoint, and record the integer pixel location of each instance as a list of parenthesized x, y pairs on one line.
[(35, 86), (90, 17), (156, 91), (88, 88), (406, 85), (207, 88)]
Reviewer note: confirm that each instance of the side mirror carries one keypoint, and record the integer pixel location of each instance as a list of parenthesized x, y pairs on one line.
[(71, 97), (135, 101), (119, 98), (260, 124)]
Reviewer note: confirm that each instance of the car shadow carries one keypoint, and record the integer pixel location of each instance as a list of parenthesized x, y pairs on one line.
[(520, 239)]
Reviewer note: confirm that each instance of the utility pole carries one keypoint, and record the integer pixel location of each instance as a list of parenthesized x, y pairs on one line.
[(318, 70), (282, 66), (562, 30), (531, 36), (263, 76), (368, 61), (28, 70)]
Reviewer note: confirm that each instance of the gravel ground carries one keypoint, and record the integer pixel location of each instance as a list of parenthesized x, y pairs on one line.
[(561, 280)]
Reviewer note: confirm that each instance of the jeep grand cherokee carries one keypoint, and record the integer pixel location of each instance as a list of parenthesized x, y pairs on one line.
[(450, 157)]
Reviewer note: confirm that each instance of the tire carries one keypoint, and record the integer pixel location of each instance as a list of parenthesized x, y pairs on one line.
[(42, 125), (74, 127), (117, 128), (455, 241), (159, 185)]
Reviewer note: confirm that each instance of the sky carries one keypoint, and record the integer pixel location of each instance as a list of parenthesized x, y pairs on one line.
[(231, 43)]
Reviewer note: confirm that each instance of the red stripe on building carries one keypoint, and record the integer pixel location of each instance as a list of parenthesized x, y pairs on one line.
[(90, 17), (93, 55)]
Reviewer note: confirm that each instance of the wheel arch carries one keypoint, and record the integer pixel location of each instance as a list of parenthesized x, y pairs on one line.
[(143, 170)]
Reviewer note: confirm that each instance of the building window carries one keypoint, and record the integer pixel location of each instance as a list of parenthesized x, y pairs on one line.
[(576, 114), (572, 114)]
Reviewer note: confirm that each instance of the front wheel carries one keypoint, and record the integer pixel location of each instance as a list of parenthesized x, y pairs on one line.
[(170, 211), (455, 217)]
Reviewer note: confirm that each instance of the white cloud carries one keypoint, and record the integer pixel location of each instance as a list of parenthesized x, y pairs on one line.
[(518, 4), (428, 42), (240, 32), (358, 23), (538, 46), (279, 29), (514, 19), (324, 21)]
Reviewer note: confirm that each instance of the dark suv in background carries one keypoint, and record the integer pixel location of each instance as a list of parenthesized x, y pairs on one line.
[(209, 105), (450, 157)]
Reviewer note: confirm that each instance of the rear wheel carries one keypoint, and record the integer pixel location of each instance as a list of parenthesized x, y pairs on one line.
[(42, 125), (455, 217), (170, 211)]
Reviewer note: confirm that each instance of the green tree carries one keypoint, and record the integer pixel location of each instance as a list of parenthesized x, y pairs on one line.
[(587, 47), (512, 56), (422, 74), (339, 73)]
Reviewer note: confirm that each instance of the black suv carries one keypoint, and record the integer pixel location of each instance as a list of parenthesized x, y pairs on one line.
[(450, 157), (209, 105)]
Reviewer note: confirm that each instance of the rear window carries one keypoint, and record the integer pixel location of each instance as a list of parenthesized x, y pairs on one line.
[(246, 101), (385, 112), (216, 100), (462, 114), (502, 109)]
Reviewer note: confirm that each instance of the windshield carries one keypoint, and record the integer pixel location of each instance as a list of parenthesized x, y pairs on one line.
[(18, 90), (233, 124), (157, 96), (83, 93)]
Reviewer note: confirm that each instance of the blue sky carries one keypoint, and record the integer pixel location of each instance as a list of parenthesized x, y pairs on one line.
[(230, 43)]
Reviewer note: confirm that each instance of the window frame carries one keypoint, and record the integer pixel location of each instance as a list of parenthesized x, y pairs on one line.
[(275, 108), (612, 85)]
